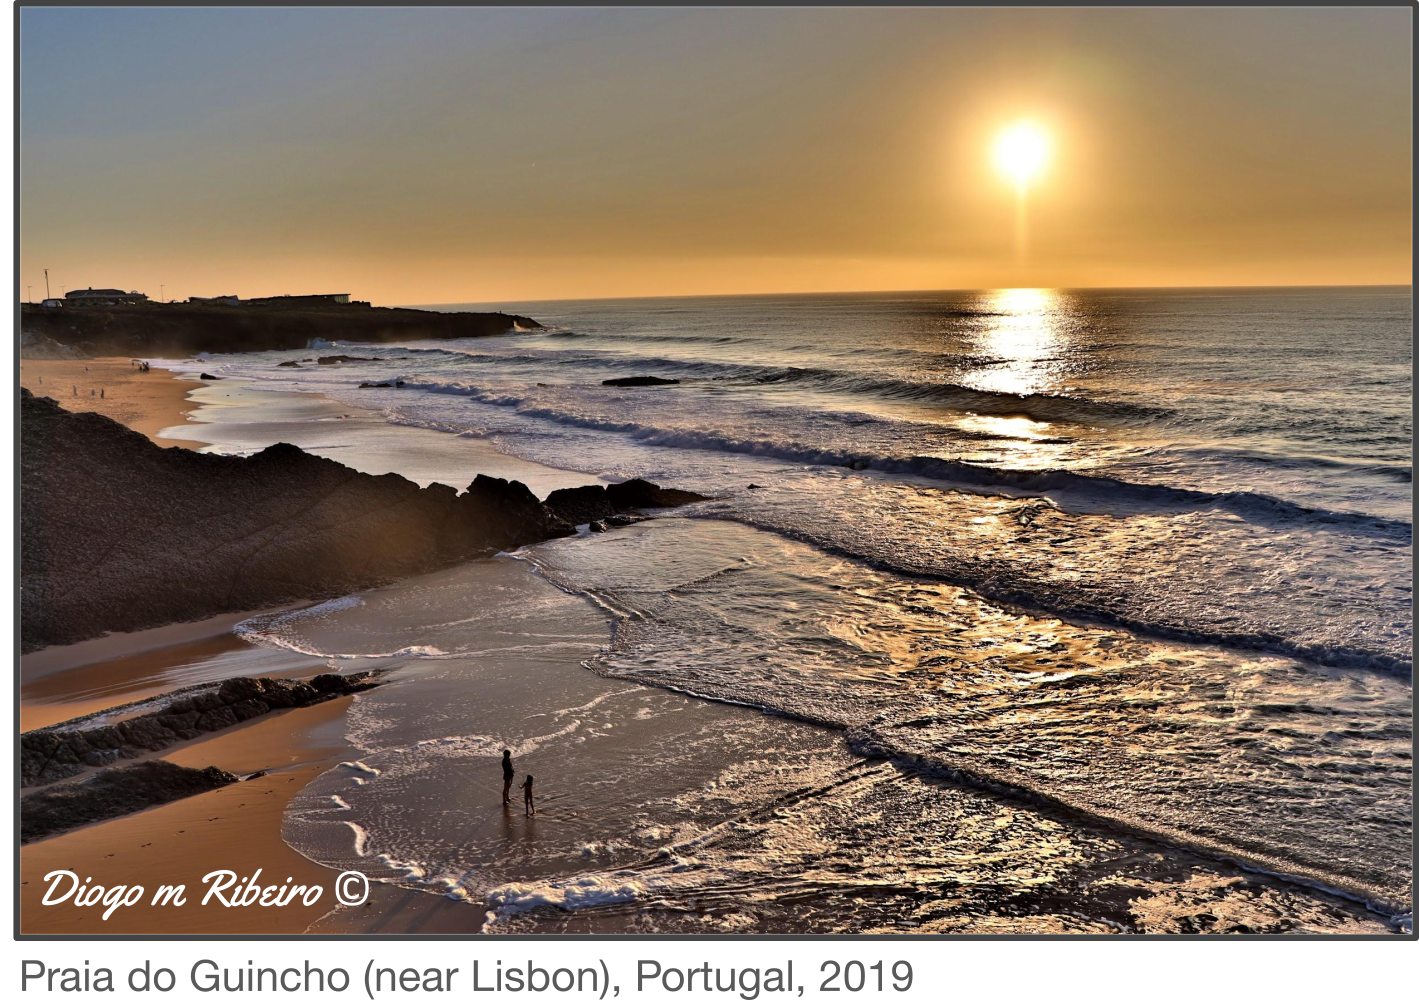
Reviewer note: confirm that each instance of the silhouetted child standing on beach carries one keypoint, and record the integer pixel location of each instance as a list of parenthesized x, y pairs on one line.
[(507, 777), (527, 796)]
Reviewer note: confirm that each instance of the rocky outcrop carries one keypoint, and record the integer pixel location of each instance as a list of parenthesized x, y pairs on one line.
[(581, 505), (113, 792), (634, 380), (120, 534), (181, 330), (37, 347), (338, 359), (634, 493), (587, 504), (64, 750)]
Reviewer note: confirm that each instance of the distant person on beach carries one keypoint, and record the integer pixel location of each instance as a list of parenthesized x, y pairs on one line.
[(101, 392), (527, 796), (507, 777)]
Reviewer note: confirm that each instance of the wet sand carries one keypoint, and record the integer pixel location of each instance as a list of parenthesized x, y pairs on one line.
[(47, 698), (236, 419), (148, 402)]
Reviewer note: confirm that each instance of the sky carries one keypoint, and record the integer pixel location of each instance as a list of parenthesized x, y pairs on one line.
[(503, 155)]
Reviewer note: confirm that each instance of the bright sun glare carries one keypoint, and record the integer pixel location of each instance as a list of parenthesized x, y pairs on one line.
[(1021, 152)]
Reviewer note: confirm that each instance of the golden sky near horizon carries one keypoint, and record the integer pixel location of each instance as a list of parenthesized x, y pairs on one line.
[(442, 155)]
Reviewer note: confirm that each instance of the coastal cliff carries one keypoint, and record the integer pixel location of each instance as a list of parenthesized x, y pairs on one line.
[(179, 330), (120, 534)]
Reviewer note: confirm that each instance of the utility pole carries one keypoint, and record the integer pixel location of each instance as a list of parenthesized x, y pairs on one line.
[(46, 282), (28, 297), (160, 292)]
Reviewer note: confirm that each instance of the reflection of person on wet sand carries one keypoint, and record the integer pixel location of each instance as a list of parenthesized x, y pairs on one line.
[(527, 796), (507, 776)]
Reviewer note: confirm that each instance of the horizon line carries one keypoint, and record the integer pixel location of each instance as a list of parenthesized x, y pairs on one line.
[(922, 291)]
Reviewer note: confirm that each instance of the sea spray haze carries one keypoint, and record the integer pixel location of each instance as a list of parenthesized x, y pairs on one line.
[(1143, 557)]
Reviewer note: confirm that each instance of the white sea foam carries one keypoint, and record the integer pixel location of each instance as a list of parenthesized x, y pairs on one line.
[(360, 838)]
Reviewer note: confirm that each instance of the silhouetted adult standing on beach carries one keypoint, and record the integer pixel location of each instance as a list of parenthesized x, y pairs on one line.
[(507, 777), (530, 809)]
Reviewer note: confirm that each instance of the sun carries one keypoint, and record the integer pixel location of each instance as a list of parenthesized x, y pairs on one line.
[(1022, 152)]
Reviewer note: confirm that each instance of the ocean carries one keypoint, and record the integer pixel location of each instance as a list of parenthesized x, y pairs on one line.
[(1118, 584)]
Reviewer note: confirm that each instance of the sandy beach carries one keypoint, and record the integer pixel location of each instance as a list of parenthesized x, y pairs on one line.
[(147, 402)]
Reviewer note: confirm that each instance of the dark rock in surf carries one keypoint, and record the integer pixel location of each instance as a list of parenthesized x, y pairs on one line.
[(288, 364), (635, 380), (376, 385), (585, 504), (338, 359), (635, 493), (755, 486), (209, 378), (580, 505), (598, 526)]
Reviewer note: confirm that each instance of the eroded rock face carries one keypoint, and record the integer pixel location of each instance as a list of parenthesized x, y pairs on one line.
[(62, 751), (113, 792), (122, 535)]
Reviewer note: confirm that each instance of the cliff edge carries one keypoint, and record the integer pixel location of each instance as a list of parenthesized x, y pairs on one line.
[(180, 330)]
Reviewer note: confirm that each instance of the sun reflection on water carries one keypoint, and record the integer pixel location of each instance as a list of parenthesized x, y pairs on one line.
[(1022, 331), (1021, 344)]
